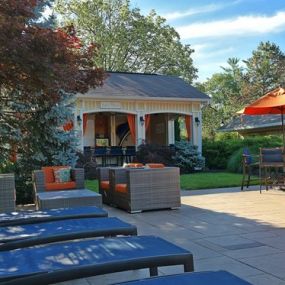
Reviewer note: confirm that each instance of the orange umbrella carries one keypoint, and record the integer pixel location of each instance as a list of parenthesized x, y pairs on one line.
[(271, 103)]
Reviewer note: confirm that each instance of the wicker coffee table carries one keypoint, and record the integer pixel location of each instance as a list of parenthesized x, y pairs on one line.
[(67, 199)]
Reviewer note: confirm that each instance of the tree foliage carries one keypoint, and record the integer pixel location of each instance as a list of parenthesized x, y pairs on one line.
[(225, 89), (129, 41), (265, 69), (40, 70)]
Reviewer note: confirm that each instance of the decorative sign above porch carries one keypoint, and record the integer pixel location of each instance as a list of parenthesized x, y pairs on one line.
[(111, 105)]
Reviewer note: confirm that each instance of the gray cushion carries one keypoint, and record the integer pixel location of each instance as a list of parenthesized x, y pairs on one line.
[(272, 158)]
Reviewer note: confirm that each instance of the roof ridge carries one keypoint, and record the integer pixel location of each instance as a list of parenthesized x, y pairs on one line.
[(128, 72)]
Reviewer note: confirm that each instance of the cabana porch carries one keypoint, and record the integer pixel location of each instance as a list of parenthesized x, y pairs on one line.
[(113, 136)]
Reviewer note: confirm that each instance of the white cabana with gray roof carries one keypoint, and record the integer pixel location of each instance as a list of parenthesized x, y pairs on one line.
[(133, 108)]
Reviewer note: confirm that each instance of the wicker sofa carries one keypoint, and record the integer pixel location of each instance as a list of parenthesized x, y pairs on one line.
[(43, 181), (140, 189)]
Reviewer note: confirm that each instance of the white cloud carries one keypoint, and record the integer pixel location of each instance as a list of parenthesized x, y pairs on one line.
[(204, 52), (241, 26), (199, 47), (199, 10)]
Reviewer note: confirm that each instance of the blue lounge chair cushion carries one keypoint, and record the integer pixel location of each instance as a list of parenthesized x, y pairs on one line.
[(27, 217), (194, 278), (32, 234), (77, 259)]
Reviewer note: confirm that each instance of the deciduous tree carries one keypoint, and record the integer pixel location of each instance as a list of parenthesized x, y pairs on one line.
[(40, 71), (129, 41), (225, 89)]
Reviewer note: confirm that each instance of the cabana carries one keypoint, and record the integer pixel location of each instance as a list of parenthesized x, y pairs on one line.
[(131, 109)]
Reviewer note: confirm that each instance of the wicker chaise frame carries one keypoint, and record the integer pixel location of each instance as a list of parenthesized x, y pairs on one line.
[(77, 175), (148, 188), (193, 278), (149, 252), (33, 217), (103, 227)]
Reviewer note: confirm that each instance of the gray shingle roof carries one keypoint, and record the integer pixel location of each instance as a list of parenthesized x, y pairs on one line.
[(245, 122), (129, 85)]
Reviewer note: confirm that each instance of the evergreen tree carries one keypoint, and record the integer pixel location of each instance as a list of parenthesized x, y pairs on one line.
[(265, 70)]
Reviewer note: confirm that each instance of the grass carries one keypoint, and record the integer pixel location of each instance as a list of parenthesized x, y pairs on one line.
[(92, 185), (206, 180), (201, 180)]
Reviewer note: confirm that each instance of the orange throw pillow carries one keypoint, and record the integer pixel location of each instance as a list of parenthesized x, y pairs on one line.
[(133, 165), (48, 173), (155, 165), (122, 188), (105, 184)]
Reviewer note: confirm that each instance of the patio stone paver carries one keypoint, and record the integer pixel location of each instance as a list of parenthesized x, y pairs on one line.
[(272, 264), (265, 279), (242, 232), (251, 252)]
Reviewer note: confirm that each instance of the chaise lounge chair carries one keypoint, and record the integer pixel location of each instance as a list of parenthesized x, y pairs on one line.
[(194, 278), (31, 217), (13, 237), (79, 259)]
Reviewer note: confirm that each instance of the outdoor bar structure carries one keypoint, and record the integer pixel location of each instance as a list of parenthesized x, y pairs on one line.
[(132, 108)]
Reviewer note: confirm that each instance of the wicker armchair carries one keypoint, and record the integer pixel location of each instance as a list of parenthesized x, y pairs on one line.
[(271, 167), (249, 164), (136, 190), (104, 185), (39, 180), (106, 189), (7, 193)]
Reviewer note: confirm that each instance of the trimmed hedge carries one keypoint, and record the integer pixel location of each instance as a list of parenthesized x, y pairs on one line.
[(226, 153)]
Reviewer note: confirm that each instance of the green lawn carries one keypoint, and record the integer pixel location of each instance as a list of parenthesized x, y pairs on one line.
[(206, 180), (201, 180), (92, 185)]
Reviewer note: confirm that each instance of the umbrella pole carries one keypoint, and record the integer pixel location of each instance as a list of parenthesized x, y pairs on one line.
[(282, 117)]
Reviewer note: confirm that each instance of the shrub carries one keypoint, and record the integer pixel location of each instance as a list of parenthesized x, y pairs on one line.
[(90, 167), (155, 154), (23, 181), (183, 155), (226, 152), (187, 157)]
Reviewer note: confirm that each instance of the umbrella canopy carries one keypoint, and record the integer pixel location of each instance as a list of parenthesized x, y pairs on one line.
[(271, 103)]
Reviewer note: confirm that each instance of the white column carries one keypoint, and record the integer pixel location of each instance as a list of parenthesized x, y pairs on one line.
[(90, 132), (113, 130), (140, 129), (80, 133), (200, 133), (197, 131), (171, 132)]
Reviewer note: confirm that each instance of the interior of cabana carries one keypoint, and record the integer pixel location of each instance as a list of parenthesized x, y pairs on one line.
[(112, 136)]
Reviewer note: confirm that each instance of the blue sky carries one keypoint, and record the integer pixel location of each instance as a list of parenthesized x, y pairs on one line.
[(221, 29)]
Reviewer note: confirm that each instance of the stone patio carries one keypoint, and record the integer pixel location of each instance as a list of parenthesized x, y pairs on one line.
[(241, 232)]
